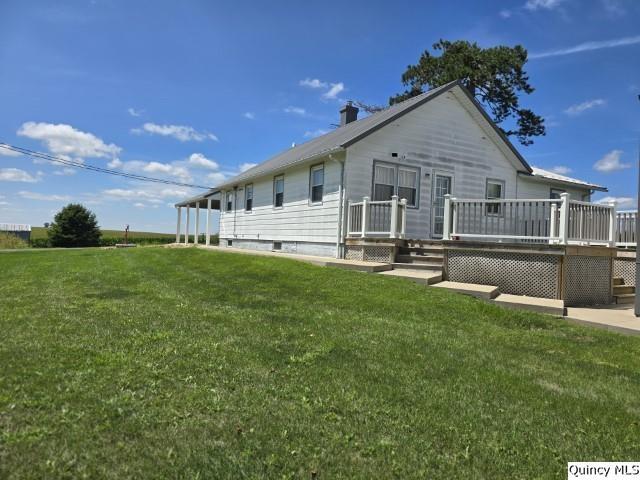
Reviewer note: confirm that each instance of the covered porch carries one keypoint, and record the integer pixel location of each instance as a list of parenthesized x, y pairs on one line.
[(207, 202)]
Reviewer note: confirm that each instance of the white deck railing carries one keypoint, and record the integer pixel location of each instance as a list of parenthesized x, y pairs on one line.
[(560, 221), (626, 229), (377, 219)]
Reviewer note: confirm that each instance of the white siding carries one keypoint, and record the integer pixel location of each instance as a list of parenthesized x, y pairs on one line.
[(297, 221), (537, 189), (440, 136)]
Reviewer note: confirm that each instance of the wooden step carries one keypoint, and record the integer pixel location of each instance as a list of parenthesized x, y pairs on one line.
[(419, 276), (618, 281), (422, 251), (487, 292), (419, 258), (625, 298), (535, 304), (422, 243), (416, 266), (623, 289)]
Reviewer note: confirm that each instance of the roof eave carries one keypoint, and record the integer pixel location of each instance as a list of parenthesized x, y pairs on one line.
[(539, 178)]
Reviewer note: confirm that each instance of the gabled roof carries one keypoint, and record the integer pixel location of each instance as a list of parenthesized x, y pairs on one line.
[(561, 179), (348, 134)]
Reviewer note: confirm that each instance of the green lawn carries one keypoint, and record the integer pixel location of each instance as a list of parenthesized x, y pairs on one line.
[(185, 363), (41, 232)]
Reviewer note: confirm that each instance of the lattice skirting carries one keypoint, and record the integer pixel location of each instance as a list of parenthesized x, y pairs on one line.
[(370, 253), (587, 280), (625, 268), (515, 273)]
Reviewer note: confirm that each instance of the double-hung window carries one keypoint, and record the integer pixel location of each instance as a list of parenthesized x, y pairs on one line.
[(248, 198), (556, 192), (389, 180), (229, 201), (316, 183), (495, 191), (278, 191)]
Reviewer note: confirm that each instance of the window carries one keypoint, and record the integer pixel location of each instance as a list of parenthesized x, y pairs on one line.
[(248, 197), (408, 185), (495, 191), (278, 191), (555, 192), (229, 201), (389, 180), (277, 245), (229, 243), (316, 183)]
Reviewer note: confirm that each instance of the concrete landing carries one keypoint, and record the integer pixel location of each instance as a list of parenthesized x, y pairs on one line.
[(426, 277), (535, 304), (618, 318), (486, 292)]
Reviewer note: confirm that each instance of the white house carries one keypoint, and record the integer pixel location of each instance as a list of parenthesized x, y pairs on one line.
[(400, 162)]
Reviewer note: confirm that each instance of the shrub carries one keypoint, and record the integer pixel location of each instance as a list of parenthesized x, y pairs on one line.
[(7, 240), (74, 226)]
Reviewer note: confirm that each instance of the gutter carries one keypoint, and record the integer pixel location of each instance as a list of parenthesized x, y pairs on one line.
[(539, 178)]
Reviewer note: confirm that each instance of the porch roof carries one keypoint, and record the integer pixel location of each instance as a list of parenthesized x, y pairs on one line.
[(202, 200), (541, 174)]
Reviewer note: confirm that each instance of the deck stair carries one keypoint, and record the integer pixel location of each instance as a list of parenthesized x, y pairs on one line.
[(420, 255), (623, 294)]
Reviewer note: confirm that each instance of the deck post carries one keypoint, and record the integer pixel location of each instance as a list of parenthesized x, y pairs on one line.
[(403, 202), (207, 241), (179, 214), (564, 218), (394, 217), (365, 215), (197, 229), (446, 223), (552, 223), (613, 216), (186, 228)]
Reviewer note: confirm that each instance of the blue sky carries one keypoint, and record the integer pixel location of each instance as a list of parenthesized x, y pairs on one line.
[(196, 90)]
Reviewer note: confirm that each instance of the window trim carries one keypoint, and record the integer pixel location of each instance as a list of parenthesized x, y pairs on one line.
[(397, 166), (503, 187), (312, 168), (246, 190), (228, 200), (275, 179)]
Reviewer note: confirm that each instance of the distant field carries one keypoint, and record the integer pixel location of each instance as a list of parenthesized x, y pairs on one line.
[(41, 232)]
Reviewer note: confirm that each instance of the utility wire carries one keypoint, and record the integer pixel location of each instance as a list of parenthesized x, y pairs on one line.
[(93, 168)]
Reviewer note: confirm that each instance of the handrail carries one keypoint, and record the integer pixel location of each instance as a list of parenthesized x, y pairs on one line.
[(379, 218)]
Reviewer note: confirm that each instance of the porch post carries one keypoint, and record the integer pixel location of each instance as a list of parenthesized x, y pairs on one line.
[(179, 214), (446, 223), (197, 229), (403, 231), (612, 224), (365, 215), (394, 216), (208, 237), (186, 228), (552, 222), (564, 218)]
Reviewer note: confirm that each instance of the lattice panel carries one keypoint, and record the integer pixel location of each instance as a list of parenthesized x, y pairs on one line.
[(516, 273), (587, 280), (353, 252), (378, 254), (625, 269)]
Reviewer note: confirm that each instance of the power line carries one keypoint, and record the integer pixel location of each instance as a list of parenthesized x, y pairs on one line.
[(93, 168)]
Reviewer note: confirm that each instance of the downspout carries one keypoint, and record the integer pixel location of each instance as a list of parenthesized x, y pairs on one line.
[(340, 207)]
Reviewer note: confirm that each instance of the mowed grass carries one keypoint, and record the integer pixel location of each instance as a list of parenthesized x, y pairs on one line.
[(41, 233), (185, 363)]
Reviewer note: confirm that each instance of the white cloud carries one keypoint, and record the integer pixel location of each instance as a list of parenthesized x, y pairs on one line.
[(145, 194), (62, 139), (115, 163), (4, 204), (315, 133), (171, 169), (246, 166), (542, 4), (611, 162), (199, 160), (183, 133), (16, 175), (579, 108), (588, 46), (67, 171), (295, 110), (8, 153), (334, 91), (216, 177), (313, 83), (505, 13), (249, 115), (134, 113), (561, 170), (44, 197), (621, 202), (139, 205)]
